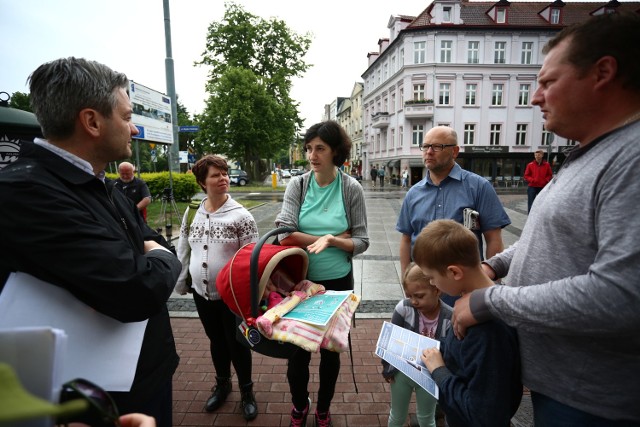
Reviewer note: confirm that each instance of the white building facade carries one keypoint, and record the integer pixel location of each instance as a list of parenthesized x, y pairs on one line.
[(471, 66)]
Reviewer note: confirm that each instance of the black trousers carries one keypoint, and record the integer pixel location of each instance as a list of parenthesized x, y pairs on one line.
[(219, 324), (298, 366)]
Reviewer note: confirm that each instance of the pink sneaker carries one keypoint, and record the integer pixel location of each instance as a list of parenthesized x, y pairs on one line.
[(323, 419), (299, 418)]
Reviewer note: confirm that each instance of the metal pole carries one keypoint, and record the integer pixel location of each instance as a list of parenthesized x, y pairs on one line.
[(174, 149), (138, 167)]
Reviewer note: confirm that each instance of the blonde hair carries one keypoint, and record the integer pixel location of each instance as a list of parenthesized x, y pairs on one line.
[(413, 274), (445, 242)]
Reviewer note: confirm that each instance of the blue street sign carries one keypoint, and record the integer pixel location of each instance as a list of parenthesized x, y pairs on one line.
[(191, 158), (189, 128), (140, 135)]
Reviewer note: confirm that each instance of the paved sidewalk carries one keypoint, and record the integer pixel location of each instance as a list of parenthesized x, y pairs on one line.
[(377, 280)]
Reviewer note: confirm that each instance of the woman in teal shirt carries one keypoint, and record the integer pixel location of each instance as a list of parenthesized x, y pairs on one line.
[(326, 207)]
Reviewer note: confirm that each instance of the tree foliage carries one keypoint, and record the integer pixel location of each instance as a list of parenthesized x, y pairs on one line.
[(250, 114), (20, 101)]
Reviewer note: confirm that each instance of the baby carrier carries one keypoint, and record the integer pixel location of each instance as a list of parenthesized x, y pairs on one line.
[(283, 269)]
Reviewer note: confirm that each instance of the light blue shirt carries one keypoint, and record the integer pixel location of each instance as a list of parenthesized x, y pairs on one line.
[(426, 202)]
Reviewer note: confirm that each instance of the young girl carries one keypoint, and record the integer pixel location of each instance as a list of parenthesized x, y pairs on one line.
[(421, 312)]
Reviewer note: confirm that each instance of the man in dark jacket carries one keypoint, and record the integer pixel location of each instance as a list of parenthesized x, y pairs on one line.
[(65, 224), (537, 174)]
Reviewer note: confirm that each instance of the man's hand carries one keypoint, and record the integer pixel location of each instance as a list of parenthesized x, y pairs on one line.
[(137, 420), (432, 358), (462, 317)]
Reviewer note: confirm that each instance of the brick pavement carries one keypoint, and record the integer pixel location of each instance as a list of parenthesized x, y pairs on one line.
[(195, 376)]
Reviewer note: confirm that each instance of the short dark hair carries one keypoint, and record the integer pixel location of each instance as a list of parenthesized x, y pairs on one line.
[(60, 89), (332, 134), (445, 242), (611, 34), (201, 168)]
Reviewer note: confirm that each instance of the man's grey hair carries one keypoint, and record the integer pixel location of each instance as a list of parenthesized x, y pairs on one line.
[(60, 89)]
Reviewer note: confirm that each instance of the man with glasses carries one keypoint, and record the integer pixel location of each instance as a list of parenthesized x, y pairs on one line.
[(444, 193)]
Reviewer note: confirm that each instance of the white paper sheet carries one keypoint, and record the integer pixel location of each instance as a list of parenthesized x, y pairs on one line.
[(36, 355), (402, 349), (100, 349)]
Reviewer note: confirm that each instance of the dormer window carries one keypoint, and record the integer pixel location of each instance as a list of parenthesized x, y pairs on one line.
[(501, 15), (554, 17), (446, 14)]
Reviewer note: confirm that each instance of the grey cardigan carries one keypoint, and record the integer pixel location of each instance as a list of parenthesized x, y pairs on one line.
[(355, 209)]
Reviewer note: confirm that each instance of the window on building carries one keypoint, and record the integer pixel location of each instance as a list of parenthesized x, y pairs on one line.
[(527, 53), (446, 14), (473, 49), (523, 94), (393, 138), (401, 96), (418, 135), (499, 54), (444, 95), (469, 133), (394, 64), (470, 94), (394, 107), (419, 52), (401, 58), (521, 134), (418, 92), (445, 50), (497, 94), (501, 15), (547, 137), (401, 136), (494, 136), (555, 16), (385, 74)]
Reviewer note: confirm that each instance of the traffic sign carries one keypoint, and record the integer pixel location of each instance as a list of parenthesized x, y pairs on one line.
[(185, 129)]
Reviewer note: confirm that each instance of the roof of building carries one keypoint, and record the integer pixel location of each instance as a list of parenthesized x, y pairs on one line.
[(522, 13)]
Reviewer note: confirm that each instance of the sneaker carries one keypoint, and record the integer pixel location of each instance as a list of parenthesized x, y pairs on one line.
[(299, 418), (323, 419)]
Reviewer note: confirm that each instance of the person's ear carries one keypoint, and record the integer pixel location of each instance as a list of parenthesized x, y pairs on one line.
[(455, 272), (605, 70), (90, 121)]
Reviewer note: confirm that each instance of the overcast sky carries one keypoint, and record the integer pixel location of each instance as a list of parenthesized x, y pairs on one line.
[(128, 36)]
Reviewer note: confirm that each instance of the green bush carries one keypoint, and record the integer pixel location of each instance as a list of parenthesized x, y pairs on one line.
[(184, 184)]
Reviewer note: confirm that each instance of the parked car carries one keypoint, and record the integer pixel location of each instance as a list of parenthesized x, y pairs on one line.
[(238, 177), (285, 173), (295, 172)]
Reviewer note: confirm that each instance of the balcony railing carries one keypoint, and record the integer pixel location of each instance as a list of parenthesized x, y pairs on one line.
[(380, 119), (419, 109)]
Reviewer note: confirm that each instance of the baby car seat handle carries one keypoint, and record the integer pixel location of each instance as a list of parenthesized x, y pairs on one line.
[(253, 266)]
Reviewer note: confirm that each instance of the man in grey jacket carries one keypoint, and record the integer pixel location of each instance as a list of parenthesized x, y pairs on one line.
[(572, 279)]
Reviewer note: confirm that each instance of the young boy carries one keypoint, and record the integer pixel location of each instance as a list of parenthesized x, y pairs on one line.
[(479, 376)]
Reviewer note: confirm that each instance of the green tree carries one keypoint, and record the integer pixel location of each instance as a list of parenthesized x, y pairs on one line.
[(20, 101), (240, 119), (271, 54)]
